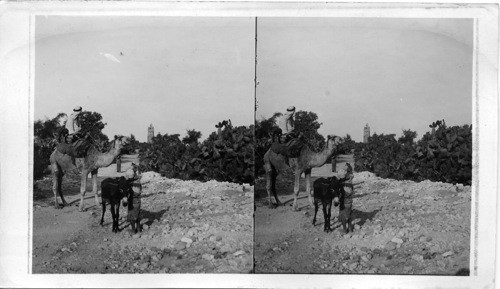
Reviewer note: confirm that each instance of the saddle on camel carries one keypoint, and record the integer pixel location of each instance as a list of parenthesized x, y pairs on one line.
[(285, 140), (72, 140)]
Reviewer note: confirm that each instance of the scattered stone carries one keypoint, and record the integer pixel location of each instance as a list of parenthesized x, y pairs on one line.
[(186, 240), (145, 227), (449, 253), (417, 257), (357, 227), (240, 252), (233, 263), (144, 266), (397, 240), (208, 257), (180, 245), (390, 246)]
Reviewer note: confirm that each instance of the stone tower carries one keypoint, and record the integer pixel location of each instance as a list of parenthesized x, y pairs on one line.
[(151, 133), (366, 134)]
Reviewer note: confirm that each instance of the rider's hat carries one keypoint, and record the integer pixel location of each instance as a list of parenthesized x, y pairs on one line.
[(77, 109), (291, 108)]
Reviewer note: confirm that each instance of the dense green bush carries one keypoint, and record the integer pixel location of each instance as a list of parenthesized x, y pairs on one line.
[(445, 154), (227, 155)]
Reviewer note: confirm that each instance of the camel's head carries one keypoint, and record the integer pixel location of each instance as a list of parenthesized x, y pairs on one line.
[(335, 140), (121, 141)]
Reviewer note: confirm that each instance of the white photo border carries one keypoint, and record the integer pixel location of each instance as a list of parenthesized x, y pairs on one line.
[(17, 26)]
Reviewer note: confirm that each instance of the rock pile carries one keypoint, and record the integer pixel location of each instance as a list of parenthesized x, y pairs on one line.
[(402, 227)]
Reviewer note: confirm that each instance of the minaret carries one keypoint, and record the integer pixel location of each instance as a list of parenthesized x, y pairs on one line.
[(151, 133), (366, 134)]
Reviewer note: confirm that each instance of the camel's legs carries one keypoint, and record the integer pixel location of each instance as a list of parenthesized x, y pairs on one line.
[(296, 189), (59, 187), (83, 188), (55, 184), (94, 187), (273, 185), (270, 183), (308, 186)]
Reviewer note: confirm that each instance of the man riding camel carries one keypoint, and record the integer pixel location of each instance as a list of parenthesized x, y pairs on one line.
[(77, 143), (286, 141), (73, 122)]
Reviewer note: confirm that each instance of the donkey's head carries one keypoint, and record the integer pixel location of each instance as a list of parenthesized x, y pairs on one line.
[(126, 192), (336, 187)]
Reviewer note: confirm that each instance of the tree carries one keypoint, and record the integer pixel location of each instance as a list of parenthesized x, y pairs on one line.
[(192, 137), (307, 123), (45, 132), (45, 129), (92, 122), (347, 146), (408, 137)]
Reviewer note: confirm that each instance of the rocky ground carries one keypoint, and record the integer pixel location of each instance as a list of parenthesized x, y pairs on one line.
[(402, 227), (188, 227)]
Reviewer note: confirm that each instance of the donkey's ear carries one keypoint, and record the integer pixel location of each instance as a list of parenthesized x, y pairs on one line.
[(116, 136)]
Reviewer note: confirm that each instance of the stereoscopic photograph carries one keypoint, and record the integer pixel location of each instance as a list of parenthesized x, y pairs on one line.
[(243, 144), (364, 146), (143, 154)]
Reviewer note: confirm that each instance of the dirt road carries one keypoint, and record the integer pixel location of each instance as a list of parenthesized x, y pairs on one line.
[(402, 227), (188, 226)]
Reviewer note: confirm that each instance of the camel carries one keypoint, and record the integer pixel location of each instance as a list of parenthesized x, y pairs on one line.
[(275, 163), (61, 163)]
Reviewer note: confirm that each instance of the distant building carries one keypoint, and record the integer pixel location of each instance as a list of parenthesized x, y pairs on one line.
[(151, 133), (366, 134)]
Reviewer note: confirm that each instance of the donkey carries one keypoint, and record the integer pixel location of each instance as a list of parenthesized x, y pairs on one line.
[(114, 190), (326, 191)]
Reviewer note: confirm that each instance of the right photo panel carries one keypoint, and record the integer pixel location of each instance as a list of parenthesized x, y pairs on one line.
[(363, 145)]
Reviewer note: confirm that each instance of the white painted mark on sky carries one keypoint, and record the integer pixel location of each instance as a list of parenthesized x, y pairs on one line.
[(110, 56)]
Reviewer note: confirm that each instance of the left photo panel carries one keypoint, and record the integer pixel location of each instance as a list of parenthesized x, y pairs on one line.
[(143, 147)]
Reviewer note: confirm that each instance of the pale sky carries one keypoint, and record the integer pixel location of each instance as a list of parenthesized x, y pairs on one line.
[(184, 73), (177, 73), (393, 74)]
